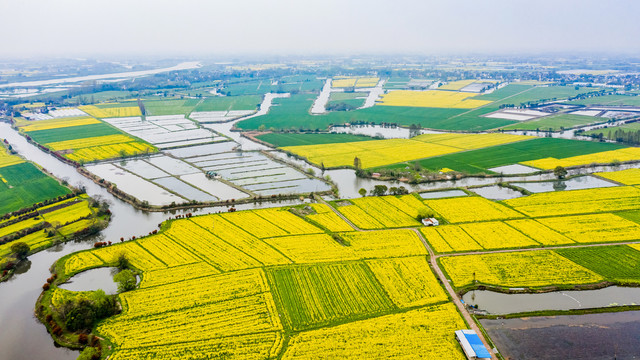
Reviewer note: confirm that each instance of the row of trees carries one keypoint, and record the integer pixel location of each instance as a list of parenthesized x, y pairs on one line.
[(381, 190), (630, 137)]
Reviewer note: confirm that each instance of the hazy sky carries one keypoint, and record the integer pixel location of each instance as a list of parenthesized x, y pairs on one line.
[(210, 27)]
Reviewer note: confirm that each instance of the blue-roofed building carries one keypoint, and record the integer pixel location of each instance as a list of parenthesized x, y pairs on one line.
[(472, 345)]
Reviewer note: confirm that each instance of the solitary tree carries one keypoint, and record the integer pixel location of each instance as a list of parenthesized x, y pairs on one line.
[(356, 163), (560, 172), (20, 249), (379, 190), (126, 280), (362, 192)]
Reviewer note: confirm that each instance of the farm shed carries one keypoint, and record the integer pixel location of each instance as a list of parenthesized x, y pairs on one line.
[(472, 345)]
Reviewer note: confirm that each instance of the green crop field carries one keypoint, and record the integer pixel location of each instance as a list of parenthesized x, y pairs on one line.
[(633, 215), (339, 96), (610, 100), (477, 161), (296, 83), (170, 107), (504, 92), (540, 93), (324, 294), (253, 87), (280, 140), (222, 103), (555, 122), (293, 113), (625, 267), (396, 82), (73, 133), (354, 99), (26, 185), (516, 95)]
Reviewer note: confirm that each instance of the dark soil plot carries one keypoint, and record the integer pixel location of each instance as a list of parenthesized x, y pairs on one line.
[(595, 336)]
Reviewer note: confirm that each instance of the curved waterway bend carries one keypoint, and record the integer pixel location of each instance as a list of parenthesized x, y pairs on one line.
[(21, 335)]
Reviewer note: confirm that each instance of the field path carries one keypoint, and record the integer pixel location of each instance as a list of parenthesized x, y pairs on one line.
[(320, 199), (439, 273), (454, 296)]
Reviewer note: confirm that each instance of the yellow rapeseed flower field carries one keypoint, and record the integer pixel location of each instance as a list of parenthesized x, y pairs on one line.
[(68, 214), (496, 235), (165, 250), (81, 261), (626, 177), (578, 201), (138, 257), (342, 83), (326, 218), (89, 142), (384, 213), (242, 240), (408, 281), (367, 82), (233, 284), (594, 228), (539, 232), (371, 153), (209, 247), (605, 157), (432, 98), (58, 123), (517, 269), (384, 152), (472, 208), (103, 152), (425, 331), (238, 316), (253, 347), (177, 274), (7, 159), (102, 113)]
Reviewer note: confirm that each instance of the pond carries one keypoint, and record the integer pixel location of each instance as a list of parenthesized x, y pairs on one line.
[(577, 183), (94, 279), (442, 194), (499, 303), (495, 192)]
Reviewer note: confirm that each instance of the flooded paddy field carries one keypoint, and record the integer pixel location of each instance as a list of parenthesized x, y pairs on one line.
[(166, 131)]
